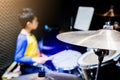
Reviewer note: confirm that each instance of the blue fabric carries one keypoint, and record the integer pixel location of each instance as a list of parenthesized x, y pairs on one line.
[(20, 50), (27, 66), (28, 69)]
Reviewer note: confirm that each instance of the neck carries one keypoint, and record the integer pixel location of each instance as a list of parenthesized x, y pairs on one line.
[(27, 31)]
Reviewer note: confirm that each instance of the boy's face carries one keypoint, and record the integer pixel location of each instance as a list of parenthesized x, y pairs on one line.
[(34, 24)]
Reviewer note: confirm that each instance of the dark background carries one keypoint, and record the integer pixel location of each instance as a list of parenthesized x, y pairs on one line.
[(54, 13)]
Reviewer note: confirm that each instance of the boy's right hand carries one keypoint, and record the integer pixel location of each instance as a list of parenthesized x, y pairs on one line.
[(39, 60)]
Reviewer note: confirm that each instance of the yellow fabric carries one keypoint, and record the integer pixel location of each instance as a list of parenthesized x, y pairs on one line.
[(32, 48)]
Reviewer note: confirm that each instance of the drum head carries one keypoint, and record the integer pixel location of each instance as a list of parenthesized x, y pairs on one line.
[(66, 59), (90, 59)]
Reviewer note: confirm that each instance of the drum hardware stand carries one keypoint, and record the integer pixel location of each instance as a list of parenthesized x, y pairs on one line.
[(81, 75), (100, 53)]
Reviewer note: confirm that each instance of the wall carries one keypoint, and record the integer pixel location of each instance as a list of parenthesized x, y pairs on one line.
[(10, 26)]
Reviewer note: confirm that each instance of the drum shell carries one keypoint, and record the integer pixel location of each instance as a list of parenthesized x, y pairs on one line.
[(108, 66)]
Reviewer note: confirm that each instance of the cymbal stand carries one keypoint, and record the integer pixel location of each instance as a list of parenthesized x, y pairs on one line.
[(100, 53)]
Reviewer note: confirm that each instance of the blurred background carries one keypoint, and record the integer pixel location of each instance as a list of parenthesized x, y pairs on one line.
[(54, 17)]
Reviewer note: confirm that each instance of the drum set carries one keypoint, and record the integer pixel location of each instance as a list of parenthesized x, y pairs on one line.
[(96, 63)]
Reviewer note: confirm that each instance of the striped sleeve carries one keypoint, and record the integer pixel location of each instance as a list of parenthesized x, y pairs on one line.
[(21, 45)]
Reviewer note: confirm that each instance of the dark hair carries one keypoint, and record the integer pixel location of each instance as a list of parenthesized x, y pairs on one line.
[(26, 15)]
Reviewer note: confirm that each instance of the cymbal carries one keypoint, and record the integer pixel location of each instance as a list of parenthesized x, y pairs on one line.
[(109, 13), (101, 39)]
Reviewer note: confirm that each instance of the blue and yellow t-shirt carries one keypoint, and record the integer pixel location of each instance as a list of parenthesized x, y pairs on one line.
[(26, 48)]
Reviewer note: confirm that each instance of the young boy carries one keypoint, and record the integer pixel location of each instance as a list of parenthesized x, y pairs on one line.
[(27, 52)]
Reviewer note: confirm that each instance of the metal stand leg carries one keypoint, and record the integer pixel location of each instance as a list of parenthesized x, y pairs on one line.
[(100, 58), (100, 53)]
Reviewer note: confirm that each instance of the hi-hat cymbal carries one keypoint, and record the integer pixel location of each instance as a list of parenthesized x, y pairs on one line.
[(102, 39)]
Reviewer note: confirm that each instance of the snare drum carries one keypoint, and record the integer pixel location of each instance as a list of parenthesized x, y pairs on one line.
[(89, 60), (66, 60)]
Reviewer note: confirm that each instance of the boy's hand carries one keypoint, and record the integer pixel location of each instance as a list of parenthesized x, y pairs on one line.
[(39, 60)]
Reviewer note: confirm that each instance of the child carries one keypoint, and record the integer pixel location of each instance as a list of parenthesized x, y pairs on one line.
[(27, 52)]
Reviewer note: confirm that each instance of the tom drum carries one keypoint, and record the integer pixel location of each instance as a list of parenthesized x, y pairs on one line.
[(88, 64), (66, 60)]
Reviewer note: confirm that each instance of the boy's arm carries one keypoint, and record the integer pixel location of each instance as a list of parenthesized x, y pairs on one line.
[(20, 50)]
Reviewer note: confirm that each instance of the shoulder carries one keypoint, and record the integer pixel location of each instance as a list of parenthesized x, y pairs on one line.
[(22, 38)]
